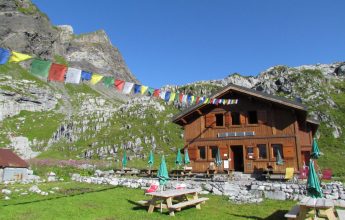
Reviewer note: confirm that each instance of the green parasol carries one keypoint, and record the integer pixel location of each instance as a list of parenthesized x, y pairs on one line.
[(163, 173), (151, 159), (186, 157), (178, 160), (218, 160), (313, 184), (315, 152), (124, 160), (279, 158)]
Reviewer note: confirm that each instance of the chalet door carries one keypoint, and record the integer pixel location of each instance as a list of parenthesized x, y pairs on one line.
[(237, 158), (305, 158)]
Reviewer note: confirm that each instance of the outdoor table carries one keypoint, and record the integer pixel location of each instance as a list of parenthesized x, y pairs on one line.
[(148, 172), (326, 205), (173, 200), (177, 172)]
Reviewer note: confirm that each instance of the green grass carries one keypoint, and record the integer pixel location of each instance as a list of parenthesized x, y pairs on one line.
[(86, 201), (60, 60)]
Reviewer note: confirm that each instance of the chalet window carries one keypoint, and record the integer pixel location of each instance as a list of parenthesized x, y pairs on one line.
[(202, 153), (262, 151), (276, 148), (252, 117), (235, 116), (219, 120), (250, 152), (214, 150)]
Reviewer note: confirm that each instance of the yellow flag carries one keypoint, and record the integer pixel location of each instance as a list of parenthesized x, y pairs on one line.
[(95, 78), (172, 97), (206, 101), (143, 89), (192, 99), (17, 57)]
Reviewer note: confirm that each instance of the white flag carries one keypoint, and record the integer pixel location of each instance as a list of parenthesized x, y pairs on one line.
[(73, 75), (184, 98), (127, 88), (162, 94)]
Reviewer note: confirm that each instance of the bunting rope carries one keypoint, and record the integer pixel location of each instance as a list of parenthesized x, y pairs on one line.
[(61, 73)]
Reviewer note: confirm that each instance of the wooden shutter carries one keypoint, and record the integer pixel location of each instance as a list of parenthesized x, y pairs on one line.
[(262, 116), (243, 118), (224, 150), (289, 151), (210, 120), (193, 153), (227, 119), (256, 153)]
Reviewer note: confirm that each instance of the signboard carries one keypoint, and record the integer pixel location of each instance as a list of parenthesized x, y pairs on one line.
[(236, 134), (226, 164)]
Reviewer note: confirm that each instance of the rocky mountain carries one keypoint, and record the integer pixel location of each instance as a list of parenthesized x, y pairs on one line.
[(24, 28)]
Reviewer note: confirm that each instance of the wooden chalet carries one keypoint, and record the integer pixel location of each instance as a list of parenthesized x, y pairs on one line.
[(248, 134)]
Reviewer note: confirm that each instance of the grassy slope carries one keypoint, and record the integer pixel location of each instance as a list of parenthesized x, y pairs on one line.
[(86, 201)]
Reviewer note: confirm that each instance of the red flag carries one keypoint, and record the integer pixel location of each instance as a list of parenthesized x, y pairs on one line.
[(197, 100), (156, 92), (57, 72), (119, 84), (181, 97), (211, 101)]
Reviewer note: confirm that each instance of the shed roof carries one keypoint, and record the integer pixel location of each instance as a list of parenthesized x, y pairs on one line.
[(9, 159), (251, 92)]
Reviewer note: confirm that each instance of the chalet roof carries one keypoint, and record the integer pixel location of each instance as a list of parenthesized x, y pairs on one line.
[(9, 159), (251, 92)]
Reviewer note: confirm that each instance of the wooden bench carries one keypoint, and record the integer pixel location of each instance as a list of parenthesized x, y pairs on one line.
[(192, 202), (293, 213), (341, 214)]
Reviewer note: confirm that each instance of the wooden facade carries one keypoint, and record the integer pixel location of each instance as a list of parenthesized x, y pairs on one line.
[(249, 133)]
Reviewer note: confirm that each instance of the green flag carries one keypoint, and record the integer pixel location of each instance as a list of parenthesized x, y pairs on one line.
[(40, 67), (163, 173), (178, 160), (108, 81), (124, 160)]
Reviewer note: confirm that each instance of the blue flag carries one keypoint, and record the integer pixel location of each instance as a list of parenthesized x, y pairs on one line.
[(189, 99), (85, 75), (137, 88), (4, 55), (167, 96)]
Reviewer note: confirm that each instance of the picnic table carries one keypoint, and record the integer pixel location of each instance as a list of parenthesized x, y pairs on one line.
[(173, 200), (308, 206), (125, 171), (148, 172)]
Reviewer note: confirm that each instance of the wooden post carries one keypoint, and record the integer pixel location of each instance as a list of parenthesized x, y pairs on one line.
[(169, 204)]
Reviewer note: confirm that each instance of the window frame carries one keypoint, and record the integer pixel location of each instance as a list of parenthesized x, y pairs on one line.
[(232, 119), (223, 116), (248, 117), (211, 156), (205, 150), (267, 152), (274, 158)]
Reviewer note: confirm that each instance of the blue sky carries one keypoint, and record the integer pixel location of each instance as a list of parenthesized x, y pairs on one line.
[(181, 41)]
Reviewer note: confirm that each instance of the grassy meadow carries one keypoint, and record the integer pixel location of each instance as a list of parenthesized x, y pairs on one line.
[(89, 201)]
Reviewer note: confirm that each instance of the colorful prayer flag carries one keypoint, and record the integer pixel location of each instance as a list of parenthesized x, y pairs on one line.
[(177, 97), (137, 88), (95, 78), (73, 75), (197, 100), (189, 99), (201, 100), (57, 72), (181, 97), (184, 99), (127, 88), (17, 57), (143, 89), (162, 95), (119, 84), (172, 97), (150, 91), (40, 67), (192, 99), (86, 75), (4, 55), (206, 101), (156, 93), (167, 96), (108, 81)]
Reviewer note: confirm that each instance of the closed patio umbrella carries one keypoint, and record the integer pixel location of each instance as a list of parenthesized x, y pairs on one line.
[(186, 157), (315, 152), (124, 160), (178, 160), (151, 159), (218, 160), (163, 172), (313, 183)]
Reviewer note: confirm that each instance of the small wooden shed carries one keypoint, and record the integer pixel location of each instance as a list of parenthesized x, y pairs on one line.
[(12, 167)]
